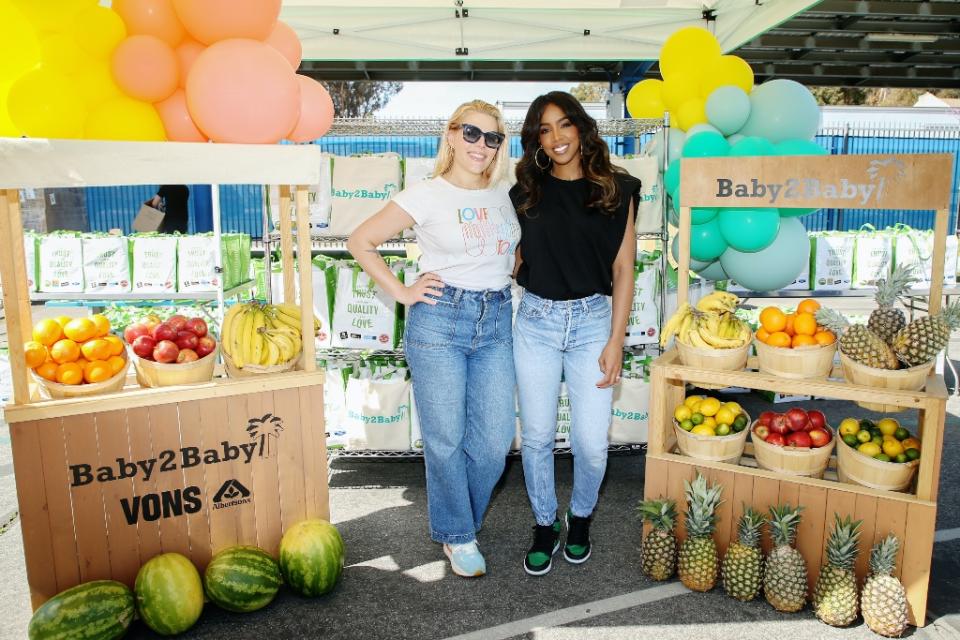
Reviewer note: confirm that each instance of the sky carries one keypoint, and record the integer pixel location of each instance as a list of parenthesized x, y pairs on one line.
[(439, 99)]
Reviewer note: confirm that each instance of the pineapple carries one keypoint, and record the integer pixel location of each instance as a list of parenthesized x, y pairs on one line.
[(883, 600), (743, 564), (921, 340), (885, 320), (859, 342), (698, 554), (835, 596), (785, 575), (659, 552)]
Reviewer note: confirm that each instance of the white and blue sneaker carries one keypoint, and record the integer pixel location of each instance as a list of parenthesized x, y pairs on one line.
[(466, 559)]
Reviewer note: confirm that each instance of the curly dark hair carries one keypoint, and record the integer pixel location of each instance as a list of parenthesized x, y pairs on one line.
[(595, 156)]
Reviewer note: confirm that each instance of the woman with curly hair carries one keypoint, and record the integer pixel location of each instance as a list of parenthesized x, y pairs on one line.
[(578, 247)]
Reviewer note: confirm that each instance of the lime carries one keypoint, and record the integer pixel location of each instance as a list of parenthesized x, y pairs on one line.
[(682, 413), (912, 454), (851, 440), (686, 425), (863, 436), (723, 429), (877, 440), (901, 458), (876, 433), (901, 434), (867, 424), (882, 457), (739, 422), (696, 418)]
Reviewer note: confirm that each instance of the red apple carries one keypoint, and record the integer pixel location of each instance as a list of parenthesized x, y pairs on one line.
[(819, 437), (799, 439), (780, 424), (205, 346), (765, 418), (187, 355), (761, 431), (817, 420), (777, 439), (797, 418), (164, 331), (143, 346), (134, 331), (187, 340), (178, 322), (166, 351), (197, 325)]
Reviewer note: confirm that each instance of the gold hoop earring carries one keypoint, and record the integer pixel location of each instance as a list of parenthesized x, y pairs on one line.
[(536, 159)]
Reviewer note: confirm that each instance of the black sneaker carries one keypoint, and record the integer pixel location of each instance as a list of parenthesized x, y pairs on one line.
[(577, 547), (546, 542)]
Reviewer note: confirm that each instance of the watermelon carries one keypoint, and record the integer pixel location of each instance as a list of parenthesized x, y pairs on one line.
[(98, 610), (311, 557), (169, 594), (242, 579)]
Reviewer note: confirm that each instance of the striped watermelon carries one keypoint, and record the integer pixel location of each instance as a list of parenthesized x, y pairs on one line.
[(169, 594), (242, 579), (311, 557), (98, 610)]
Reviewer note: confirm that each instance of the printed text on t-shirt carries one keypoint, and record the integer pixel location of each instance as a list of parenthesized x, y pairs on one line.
[(488, 231)]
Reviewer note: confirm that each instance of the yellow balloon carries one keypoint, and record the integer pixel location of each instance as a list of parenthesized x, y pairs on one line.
[(98, 30), (124, 118), (21, 49), (59, 51), (726, 70), (96, 84), (645, 99), (687, 50), (52, 15), (7, 128), (44, 103), (692, 112), (679, 89)]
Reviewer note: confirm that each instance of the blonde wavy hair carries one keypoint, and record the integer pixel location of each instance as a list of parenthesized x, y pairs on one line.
[(501, 161)]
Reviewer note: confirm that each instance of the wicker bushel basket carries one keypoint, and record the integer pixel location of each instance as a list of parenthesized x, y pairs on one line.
[(912, 379), (251, 370), (793, 461), (50, 390), (727, 448), (717, 359), (800, 363), (854, 467), (157, 374)]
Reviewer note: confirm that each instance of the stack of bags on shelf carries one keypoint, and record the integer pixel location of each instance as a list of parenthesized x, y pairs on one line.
[(149, 263)]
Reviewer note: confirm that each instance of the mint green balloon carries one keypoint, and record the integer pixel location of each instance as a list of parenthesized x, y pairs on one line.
[(776, 266), (695, 265), (706, 144), (728, 108), (699, 215), (706, 241), (713, 271), (749, 230), (799, 148), (782, 110), (671, 177), (753, 146)]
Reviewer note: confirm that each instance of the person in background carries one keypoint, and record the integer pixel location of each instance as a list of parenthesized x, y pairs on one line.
[(576, 212), (173, 198), (458, 340)]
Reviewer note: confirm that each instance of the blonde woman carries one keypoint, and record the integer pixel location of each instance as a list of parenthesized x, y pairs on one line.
[(458, 340)]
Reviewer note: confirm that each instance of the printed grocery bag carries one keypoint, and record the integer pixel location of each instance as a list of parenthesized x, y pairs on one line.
[(364, 316), (60, 263), (362, 185), (154, 263), (231, 246), (319, 200), (872, 258), (378, 413), (106, 264), (244, 274), (912, 247), (30, 259), (643, 325), (335, 402), (631, 402), (417, 170), (324, 278), (950, 261), (197, 263), (831, 260), (649, 210)]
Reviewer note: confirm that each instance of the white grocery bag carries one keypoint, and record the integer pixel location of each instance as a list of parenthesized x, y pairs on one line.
[(915, 248), (950, 261), (324, 282), (154, 264), (361, 186), (872, 259), (831, 257), (643, 325), (319, 200), (30, 259), (106, 264), (378, 414), (364, 316), (197, 264), (649, 213), (631, 418), (417, 170), (60, 263), (335, 405)]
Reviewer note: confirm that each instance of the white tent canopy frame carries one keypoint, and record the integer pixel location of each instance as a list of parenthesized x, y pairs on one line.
[(358, 30)]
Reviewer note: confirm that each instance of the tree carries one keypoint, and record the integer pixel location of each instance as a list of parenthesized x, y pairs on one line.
[(590, 92), (362, 98), (875, 97)]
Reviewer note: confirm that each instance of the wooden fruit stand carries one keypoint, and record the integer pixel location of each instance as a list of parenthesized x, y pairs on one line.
[(916, 182), (105, 482)]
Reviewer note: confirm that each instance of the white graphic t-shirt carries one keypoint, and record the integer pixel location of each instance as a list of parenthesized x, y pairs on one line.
[(466, 236)]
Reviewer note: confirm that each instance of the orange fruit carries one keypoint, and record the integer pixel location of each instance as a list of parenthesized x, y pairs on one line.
[(808, 306), (116, 345), (34, 353), (96, 349), (779, 339), (69, 373), (762, 334), (772, 319), (101, 323), (63, 320), (64, 351), (82, 362), (825, 337), (788, 328), (80, 329), (117, 363), (805, 324), (97, 371), (48, 370), (803, 340), (46, 332)]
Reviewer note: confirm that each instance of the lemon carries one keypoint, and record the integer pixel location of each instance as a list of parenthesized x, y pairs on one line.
[(849, 427), (869, 449), (733, 406), (725, 416), (711, 422), (892, 448), (682, 413), (709, 407), (695, 406), (888, 426), (703, 430), (691, 399)]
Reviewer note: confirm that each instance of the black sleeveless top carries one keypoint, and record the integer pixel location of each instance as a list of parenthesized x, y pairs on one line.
[(568, 249)]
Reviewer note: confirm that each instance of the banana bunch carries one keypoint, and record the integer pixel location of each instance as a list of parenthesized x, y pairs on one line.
[(711, 325), (718, 302), (262, 334)]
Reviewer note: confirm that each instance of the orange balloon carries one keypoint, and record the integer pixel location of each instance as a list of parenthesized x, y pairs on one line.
[(151, 18), (211, 21), (145, 67), (187, 53), (243, 91), (284, 39), (316, 111), (176, 119)]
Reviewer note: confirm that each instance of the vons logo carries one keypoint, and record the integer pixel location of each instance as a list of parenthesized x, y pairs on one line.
[(231, 494)]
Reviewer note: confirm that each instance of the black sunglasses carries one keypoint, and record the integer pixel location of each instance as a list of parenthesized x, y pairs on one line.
[(472, 133)]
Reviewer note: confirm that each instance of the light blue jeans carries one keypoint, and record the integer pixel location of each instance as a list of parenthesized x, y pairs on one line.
[(460, 354), (552, 339)]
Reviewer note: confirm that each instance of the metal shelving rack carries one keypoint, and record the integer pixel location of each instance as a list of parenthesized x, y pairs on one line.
[(102, 299)]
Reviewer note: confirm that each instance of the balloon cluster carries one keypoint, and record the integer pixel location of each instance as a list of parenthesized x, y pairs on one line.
[(183, 70), (721, 113)]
